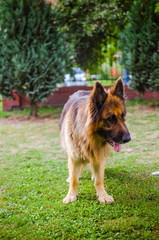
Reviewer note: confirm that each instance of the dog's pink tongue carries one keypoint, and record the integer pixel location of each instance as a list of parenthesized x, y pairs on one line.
[(117, 147)]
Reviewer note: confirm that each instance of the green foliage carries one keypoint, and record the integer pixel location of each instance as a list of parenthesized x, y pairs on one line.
[(34, 53), (157, 7), (140, 45), (89, 16), (89, 24)]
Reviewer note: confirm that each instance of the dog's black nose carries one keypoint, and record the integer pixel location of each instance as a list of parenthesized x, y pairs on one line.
[(126, 138)]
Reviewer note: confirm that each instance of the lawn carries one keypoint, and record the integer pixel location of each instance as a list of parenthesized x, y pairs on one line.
[(103, 82), (33, 183)]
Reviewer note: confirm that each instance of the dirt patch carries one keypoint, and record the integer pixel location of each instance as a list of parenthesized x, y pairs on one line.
[(151, 107), (154, 135), (154, 105), (27, 119)]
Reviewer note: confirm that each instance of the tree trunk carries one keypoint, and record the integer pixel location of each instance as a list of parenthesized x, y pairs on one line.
[(141, 94), (33, 110)]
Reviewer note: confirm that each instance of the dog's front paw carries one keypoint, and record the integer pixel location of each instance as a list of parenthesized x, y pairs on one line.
[(105, 198), (70, 198)]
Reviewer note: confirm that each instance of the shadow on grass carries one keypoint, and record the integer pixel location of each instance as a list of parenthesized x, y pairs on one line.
[(119, 174)]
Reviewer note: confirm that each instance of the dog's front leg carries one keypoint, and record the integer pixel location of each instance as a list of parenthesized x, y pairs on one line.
[(74, 172), (98, 170)]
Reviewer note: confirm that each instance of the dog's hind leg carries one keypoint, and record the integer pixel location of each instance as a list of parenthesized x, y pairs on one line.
[(81, 170), (89, 169), (74, 173), (98, 172)]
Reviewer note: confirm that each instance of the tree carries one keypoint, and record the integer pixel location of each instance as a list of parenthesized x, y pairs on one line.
[(140, 46), (89, 22), (34, 52)]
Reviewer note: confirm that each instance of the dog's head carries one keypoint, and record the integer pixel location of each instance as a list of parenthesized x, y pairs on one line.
[(108, 112)]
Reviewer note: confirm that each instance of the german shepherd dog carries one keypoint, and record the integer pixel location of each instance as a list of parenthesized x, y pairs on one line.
[(90, 123)]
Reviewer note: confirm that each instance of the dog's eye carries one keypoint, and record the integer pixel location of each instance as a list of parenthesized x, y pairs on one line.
[(123, 116), (112, 119)]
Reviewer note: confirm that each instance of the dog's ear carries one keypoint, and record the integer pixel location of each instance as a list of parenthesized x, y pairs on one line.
[(118, 89), (97, 99)]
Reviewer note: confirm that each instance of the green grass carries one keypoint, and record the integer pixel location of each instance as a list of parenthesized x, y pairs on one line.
[(138, 101), (105, 83), (25, 112), (2, 113), (33, 183)]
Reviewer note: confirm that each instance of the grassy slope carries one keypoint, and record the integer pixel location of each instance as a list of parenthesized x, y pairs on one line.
[(33, 184)]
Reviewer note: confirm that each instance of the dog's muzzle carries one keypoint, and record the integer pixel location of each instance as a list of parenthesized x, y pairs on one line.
[(126, 138)]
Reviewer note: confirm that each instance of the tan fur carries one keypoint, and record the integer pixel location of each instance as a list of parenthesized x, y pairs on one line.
[(83, 144)]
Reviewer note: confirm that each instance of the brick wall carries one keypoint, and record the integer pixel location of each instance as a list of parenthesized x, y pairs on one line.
[(60, 96)]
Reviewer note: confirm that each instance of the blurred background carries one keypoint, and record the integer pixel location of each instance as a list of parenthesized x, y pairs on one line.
[(47, 45)]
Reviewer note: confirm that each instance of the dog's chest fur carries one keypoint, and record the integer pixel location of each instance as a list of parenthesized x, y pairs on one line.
[(76, 135)]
